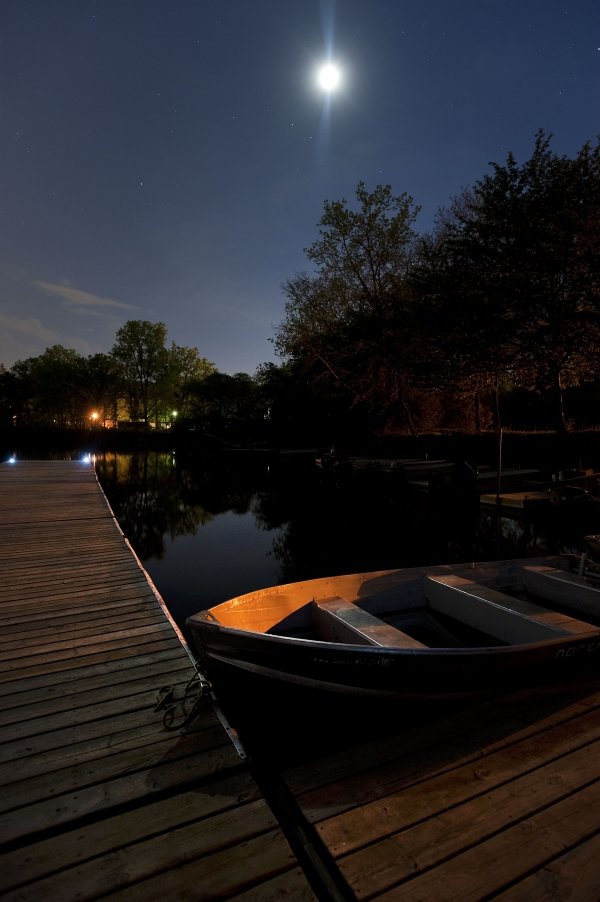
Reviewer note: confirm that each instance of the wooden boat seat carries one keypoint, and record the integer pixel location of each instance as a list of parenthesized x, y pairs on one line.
[(562, 587), (509, 619), (338, 620)]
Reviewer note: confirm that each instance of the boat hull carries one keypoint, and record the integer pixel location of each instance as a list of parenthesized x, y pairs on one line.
[(246, 637), (385, 673)]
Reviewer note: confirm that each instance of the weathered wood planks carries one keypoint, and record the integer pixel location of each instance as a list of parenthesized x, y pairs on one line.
[(96, 796), (496, 798)]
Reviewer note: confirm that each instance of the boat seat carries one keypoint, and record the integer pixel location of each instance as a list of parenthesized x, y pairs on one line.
[(562, 587), (338, 620), (509, 619)]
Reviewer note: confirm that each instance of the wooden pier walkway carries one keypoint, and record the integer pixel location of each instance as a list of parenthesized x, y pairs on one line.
[(497, 799), (97, 798), (491, 800)]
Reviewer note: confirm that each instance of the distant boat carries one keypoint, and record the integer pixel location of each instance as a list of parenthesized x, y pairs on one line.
[(562, 500), (414, 633)]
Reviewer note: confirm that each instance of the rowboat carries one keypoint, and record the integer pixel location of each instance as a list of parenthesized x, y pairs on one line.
[(436, 632)]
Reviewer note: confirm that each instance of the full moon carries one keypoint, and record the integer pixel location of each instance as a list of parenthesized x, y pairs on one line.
[(329, 77)]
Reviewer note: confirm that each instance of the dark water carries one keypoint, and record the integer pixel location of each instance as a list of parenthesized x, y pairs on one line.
[(209, 529)]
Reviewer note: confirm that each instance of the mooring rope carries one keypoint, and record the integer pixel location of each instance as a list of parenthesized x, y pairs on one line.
[(181, 707)]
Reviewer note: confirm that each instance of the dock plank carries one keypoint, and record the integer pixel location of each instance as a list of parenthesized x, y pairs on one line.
[(225, 873), (26, 669), (460, 825), (577, 867), (539, 839), (97, 795), (173, 847), (80, 845), (442, 809)]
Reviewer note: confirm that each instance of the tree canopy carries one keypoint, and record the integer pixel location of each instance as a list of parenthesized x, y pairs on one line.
[(346, 322), (512, 274), (140, 380), (504, 294)]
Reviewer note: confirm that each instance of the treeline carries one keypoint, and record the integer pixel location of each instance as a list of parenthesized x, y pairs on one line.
[(492, 319), (144, 383), (141, 382)]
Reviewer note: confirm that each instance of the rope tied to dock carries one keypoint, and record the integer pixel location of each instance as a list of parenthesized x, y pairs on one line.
[(182, 706)]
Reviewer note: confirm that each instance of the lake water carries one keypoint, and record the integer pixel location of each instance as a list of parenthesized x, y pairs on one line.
[(210, 529)]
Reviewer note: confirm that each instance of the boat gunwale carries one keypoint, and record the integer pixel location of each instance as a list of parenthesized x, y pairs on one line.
[(399, 651), (404, 574), (503, 573)]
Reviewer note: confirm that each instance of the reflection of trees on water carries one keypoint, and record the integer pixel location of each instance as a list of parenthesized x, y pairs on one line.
[(330, 530), (322, 528), (338, 529), (153, 497), (552, 532)]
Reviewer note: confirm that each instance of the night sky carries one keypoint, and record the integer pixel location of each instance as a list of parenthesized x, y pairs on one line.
[(168, 159)]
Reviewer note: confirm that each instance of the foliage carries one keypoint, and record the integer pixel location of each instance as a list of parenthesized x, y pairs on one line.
[(512, 277), (347, 322), (50, 389), (227, 406), (8, 397), (299, 411), (140, 350), (170, 393), (102, 378), (141, 378)]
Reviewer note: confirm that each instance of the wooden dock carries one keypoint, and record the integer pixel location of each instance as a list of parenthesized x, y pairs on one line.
[(517, 502), (97, 798), (496, 799)]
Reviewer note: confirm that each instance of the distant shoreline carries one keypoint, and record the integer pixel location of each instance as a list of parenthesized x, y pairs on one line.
[(519, 449)]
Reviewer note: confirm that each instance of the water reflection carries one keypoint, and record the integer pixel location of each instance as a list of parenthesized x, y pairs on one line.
[(208, 529), (152, 499)]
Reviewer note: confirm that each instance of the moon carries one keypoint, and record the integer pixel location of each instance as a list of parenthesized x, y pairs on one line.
[(329, 77)]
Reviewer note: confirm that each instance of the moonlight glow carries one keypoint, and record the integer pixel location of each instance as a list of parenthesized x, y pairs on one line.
[(329, 77)]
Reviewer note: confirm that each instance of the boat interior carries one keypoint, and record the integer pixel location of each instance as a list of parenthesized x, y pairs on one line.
[(432, 610)]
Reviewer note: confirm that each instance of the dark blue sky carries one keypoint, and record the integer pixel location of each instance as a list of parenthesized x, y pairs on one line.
[(168, 159)]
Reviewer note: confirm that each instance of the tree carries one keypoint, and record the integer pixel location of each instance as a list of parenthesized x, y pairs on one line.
[(50, 388), (513, 274), (296, 410), (227, 405), (103, 385), (464, 332), (140, 350), (560, 336), (184, 368), (17, 392), (9, 406), (347, 323)]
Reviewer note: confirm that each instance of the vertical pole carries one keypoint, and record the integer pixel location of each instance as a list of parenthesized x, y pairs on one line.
[(499, 480), (498, 490)]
